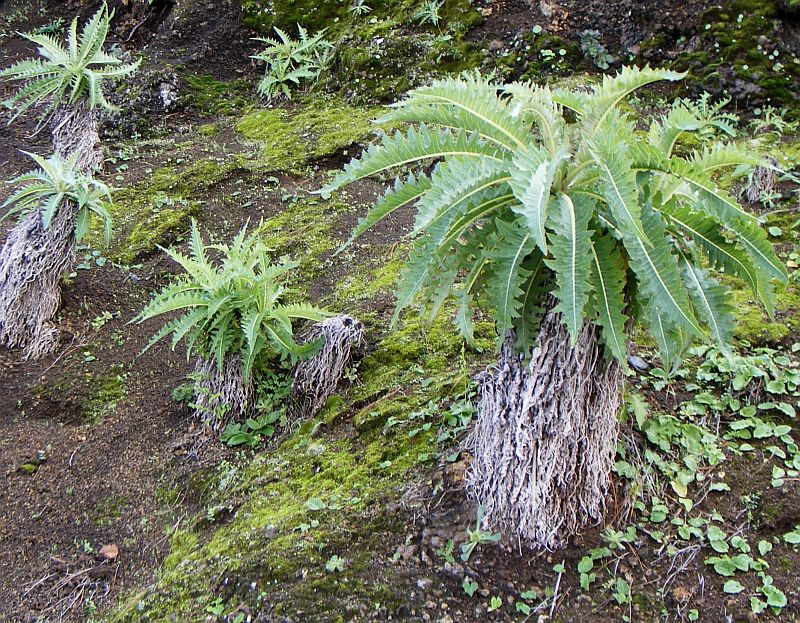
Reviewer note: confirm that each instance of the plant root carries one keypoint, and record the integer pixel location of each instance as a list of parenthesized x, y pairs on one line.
[(761, 181), (545, 436), (32, 261), (317, 378), (221, 396)]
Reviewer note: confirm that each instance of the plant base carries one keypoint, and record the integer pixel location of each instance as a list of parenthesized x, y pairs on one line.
[(545, 436), (316, 379), (222, 396)]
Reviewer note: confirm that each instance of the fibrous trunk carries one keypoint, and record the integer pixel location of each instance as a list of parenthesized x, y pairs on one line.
[(317, 378), (222, 395), (33, 258), (545, 436)]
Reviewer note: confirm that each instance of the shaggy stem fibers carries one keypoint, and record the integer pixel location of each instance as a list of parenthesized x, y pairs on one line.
[(545, 436), (316, 379), (33, 258), (220, 396)]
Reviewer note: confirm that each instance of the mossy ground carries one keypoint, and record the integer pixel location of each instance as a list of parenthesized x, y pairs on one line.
[(741, 49), (157, 210), (213, 97), (318, 128)]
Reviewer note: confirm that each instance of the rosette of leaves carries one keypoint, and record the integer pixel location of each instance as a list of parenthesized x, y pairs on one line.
[(58, 183), (67, 73), (291, 62), (525, 201), (234, 308)]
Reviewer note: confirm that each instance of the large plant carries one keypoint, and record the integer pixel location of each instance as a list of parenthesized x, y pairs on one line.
[(290, 62), (67, 73), (612, 221), (54, 186), (234, 308), (556, 213)]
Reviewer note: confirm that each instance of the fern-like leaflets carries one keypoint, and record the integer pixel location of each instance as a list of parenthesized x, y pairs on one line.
[(234, 307), (525, 202), (54, 183), (67, 72), (290, 62)]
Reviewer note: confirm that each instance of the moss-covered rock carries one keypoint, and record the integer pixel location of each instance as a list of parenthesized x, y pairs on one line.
[(318, 129), (382, 54), (741, 50)]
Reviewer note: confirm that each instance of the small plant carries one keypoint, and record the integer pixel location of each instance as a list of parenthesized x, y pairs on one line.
[(470, 586), (233, 308), (290, 62), (594, 50), (56, 182), (334, 564), (252, 430), (359, 8), (478, 536), (67, 74), (707, 119), (771, 120), (234, 315), (428, 12)]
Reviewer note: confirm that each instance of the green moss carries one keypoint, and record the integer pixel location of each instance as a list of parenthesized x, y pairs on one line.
[(382, 68), (304, 230), (106, 391), (207, 129), (363, 284), (319, 129), (94, 395), (158, 209), (755, 326), (108, 509), (214, 98), (270, 541), (739, 50)]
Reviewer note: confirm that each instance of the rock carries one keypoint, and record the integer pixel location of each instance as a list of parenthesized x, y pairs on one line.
[(456, 570), (424, 583), (638, 363)]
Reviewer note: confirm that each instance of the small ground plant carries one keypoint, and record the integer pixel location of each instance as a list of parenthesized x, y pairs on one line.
[(235, 316), (290, 63), (594, 50)]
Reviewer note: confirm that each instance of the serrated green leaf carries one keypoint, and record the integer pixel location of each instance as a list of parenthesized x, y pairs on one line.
[(608, 283), (571, 246)]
